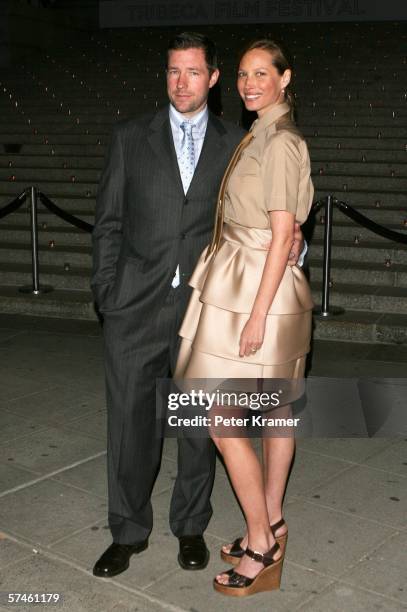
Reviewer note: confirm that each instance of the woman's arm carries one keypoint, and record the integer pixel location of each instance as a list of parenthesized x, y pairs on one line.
[(282, 227)]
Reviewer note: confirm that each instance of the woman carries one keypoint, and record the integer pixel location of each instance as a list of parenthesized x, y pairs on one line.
[(250, 312)]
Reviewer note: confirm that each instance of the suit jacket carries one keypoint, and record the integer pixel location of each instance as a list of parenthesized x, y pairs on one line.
[(145, 226)]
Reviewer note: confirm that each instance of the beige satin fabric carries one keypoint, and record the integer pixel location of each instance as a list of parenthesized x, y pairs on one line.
[(224, 289)]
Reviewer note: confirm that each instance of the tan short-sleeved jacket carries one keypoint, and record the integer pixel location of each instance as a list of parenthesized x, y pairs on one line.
[(273, 173)]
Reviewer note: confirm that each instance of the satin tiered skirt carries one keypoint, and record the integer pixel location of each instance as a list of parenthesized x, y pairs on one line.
[(224, 289)]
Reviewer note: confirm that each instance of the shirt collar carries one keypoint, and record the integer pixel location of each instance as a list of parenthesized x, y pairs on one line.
[(270, 117), (200, 120)]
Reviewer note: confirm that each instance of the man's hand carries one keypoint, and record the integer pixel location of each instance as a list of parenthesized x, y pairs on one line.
[(297, 245)]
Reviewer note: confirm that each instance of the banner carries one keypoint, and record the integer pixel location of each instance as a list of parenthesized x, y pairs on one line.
[(134, 13)]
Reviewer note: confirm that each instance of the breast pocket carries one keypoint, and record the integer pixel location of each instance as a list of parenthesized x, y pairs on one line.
[(248, 166)]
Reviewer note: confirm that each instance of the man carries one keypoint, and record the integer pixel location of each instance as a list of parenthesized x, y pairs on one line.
[(154, 215)]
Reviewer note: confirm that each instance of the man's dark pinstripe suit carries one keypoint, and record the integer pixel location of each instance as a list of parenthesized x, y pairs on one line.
[(145, 226)]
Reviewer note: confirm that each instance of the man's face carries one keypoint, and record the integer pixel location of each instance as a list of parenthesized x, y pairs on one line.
[(188, 80)]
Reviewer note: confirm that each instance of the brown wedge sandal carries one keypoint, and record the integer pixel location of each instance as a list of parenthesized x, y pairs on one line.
[(236, 552), (267, 579)]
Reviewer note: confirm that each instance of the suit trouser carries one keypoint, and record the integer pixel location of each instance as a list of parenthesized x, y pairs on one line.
[(136, 353)]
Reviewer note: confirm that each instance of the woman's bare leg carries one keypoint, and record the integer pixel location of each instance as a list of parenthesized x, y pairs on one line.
[(277, 458), (246, 475)]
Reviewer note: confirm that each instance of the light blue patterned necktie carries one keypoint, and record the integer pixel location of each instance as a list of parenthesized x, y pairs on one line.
[(186, 164), (186, 159)]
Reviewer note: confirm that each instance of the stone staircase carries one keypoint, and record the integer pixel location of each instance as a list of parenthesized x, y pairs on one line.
[(57, 110)]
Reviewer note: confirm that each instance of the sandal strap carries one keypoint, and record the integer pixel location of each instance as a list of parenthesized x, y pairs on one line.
[(236, 547), (277, 525), (265, 558), (237, 580)]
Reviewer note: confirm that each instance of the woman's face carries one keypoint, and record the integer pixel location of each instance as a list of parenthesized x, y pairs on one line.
[(259, 83)]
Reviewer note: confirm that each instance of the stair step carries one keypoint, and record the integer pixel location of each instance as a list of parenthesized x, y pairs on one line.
[(365, 297), (71, 203), (385, 144), (38, 175), (21, 217), (351, 231), (360, 273), (354, 326), (375, 252), (366, 197), (50, 161), (66, 235), (320, 154), (53, 254)]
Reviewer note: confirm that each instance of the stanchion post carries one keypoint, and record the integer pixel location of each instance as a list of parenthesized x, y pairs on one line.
[(324, 311), (326, 269), (35, 288), (34, 241)]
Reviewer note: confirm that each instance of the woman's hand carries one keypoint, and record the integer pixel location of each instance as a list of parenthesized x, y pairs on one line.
[(252, 335)]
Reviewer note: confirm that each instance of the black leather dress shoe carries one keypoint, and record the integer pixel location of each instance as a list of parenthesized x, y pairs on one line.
[(193, 554), (115, 559)]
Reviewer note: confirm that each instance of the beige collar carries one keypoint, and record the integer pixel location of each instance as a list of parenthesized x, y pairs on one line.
[(270, 117)]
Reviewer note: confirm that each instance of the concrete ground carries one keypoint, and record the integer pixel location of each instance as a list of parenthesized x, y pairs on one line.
[(345, 505)]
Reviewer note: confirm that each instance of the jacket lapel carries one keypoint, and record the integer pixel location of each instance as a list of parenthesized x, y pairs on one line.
[(161, 141)]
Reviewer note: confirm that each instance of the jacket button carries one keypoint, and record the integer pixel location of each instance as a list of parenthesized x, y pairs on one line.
[(186, 201), (183, 236)]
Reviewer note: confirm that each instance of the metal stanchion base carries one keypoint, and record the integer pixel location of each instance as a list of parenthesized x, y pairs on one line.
[(41, 289), (332, 312)]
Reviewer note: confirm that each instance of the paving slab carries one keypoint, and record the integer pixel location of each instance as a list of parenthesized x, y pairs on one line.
[(13, 426), (93, 425), (382, 498), (392, 459), (66, 370), (11, 552), (353, 450), (47, 511), (318, 537), (309, 472), (90, 476), (13, 476), (57, 405), (340, 597), (14, 386), (395, 354), (7, 334), (391, 554), (80, 591), (51, 449), (194, 591), (28, 342)]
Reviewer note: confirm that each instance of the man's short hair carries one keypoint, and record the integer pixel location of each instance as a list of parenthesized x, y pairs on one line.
[(195, 40)]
